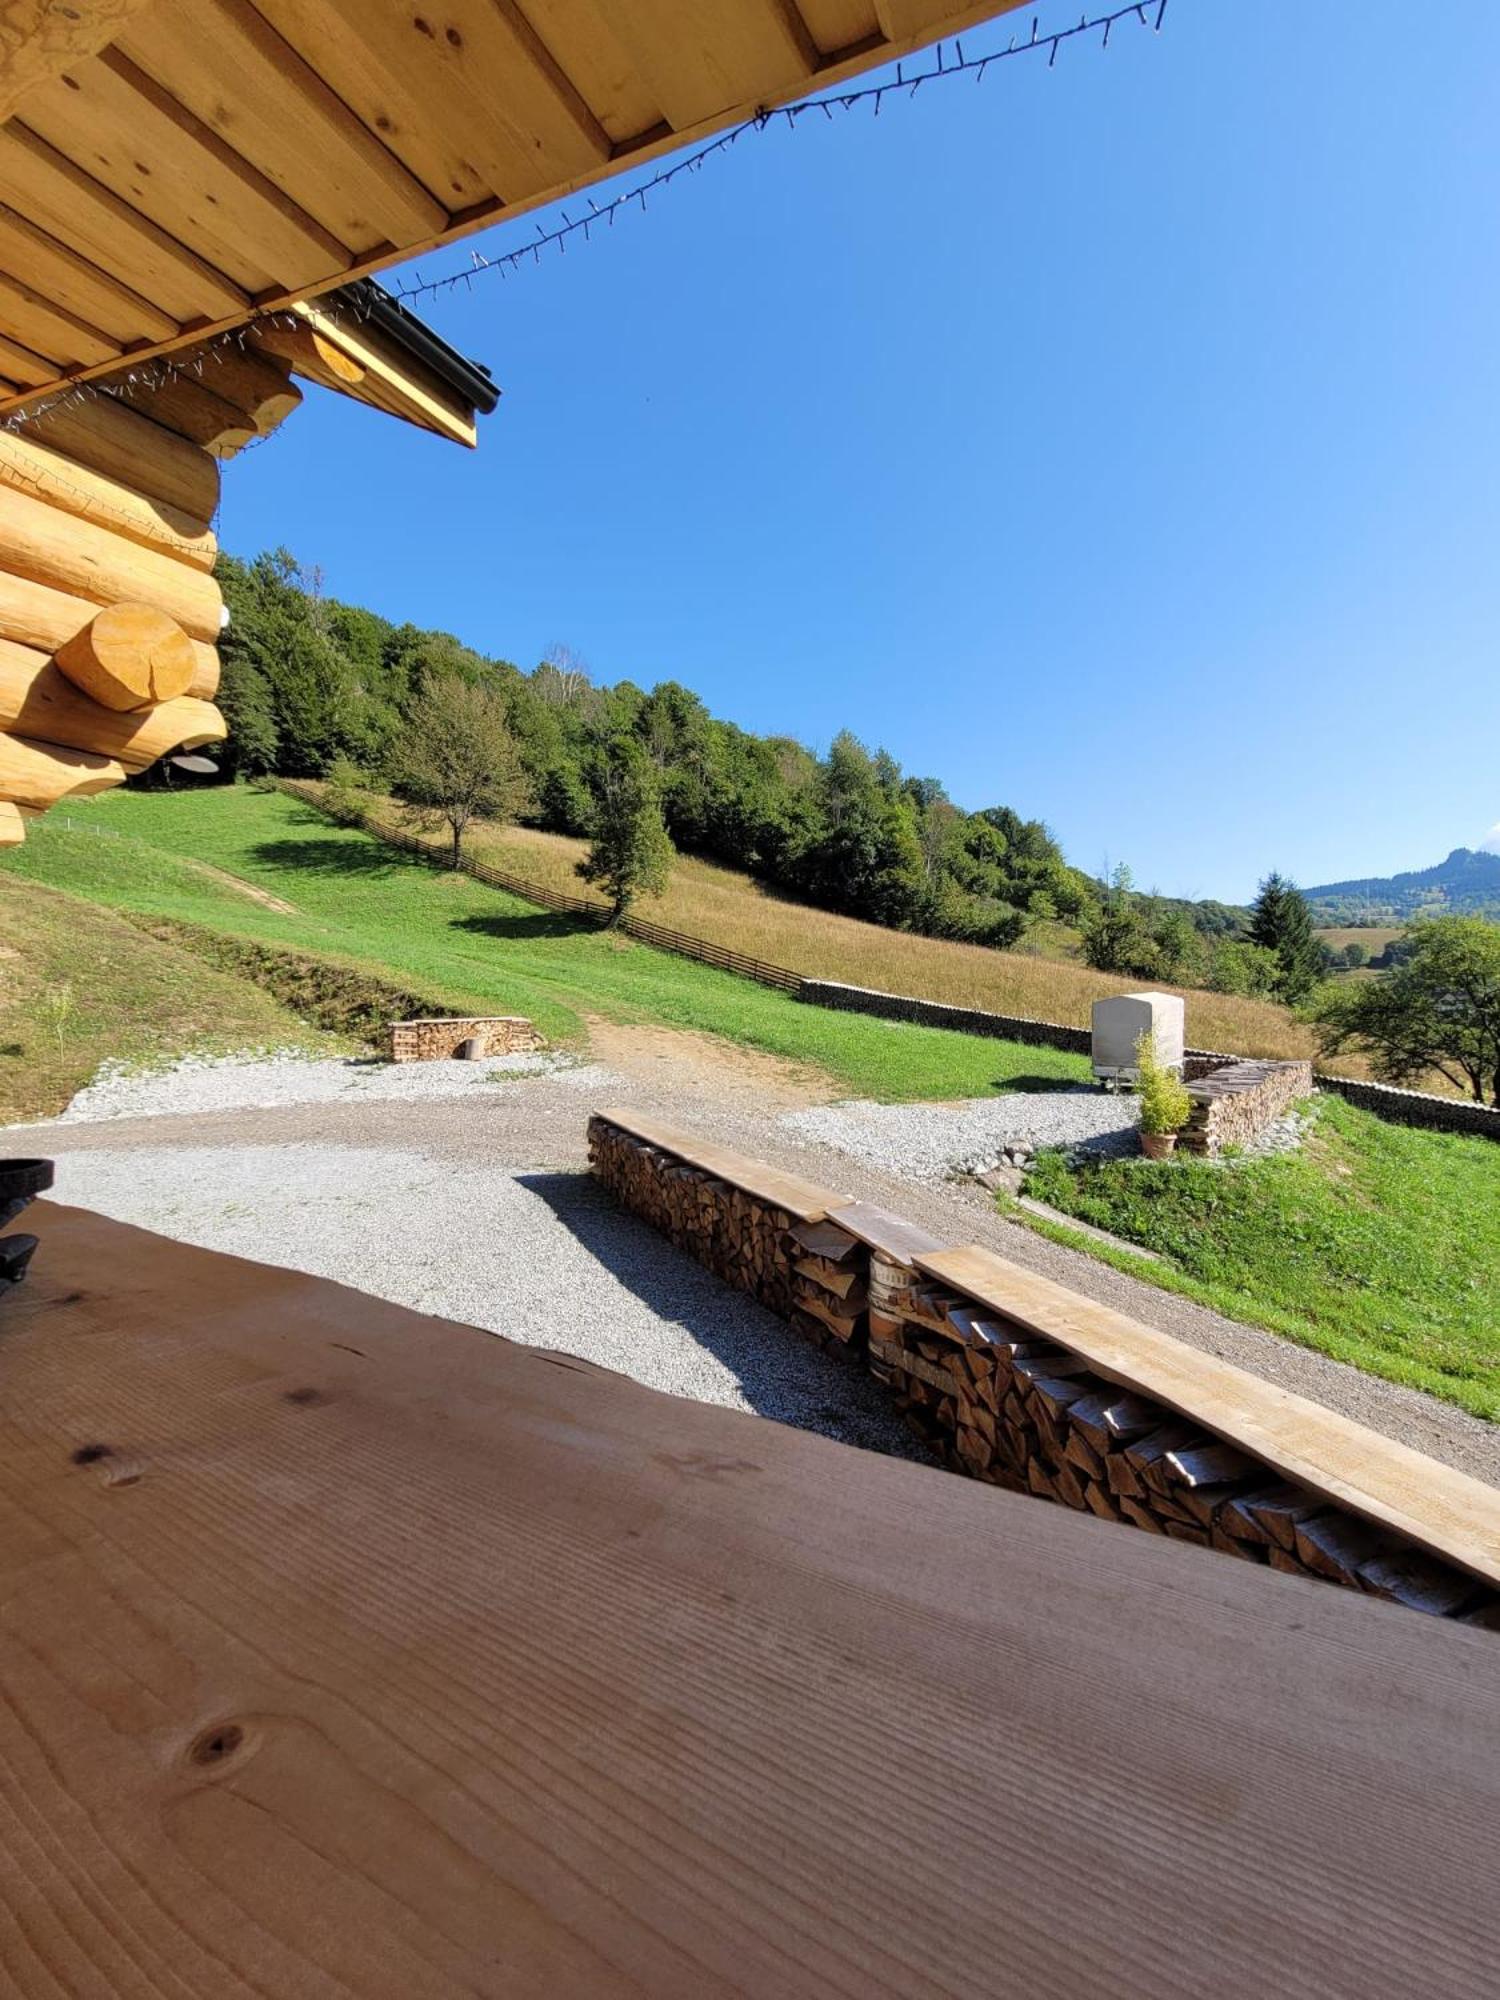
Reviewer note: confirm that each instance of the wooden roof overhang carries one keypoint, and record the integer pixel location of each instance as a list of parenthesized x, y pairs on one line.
[(171, 168)]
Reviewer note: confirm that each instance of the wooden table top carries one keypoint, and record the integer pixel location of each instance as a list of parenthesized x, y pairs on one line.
[(345, 1651)]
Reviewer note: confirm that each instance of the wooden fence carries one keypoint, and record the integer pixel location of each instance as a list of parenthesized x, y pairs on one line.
[(587, 907)]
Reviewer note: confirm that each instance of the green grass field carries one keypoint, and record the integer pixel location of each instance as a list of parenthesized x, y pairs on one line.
[(475, 947), (1376, 1244)]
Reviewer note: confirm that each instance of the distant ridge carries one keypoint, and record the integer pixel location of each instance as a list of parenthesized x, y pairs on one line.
[(1467, 883)]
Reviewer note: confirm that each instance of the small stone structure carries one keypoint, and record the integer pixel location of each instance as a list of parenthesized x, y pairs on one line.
[(438, 1038), (1121, 1020), (1235, 1102), (1013, 1380)]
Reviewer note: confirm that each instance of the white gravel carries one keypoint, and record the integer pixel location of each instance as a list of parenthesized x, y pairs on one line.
[(259, 1082), (932, 1142), (545, 1258)]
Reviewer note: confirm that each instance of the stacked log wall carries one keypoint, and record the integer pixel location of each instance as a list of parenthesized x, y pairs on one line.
[(106, 503), (994, 1400)]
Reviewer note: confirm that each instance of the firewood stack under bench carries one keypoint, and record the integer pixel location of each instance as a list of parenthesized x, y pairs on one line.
[(1013, 1380)]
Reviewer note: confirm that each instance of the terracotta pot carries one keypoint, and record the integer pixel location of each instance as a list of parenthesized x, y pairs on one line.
[(1158, 1145)]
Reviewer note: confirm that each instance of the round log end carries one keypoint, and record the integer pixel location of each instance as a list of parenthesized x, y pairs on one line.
[(129, 656)]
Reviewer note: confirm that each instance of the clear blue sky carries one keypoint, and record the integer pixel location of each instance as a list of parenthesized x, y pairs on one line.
[(1121, 443)]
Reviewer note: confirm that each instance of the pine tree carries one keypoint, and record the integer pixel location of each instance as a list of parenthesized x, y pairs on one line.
[(1282, 923), (630, 853)]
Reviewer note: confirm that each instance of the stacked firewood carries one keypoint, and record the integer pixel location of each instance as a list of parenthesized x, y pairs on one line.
[(998, 1404), (736, 1236), (829, 1293), (989, 1396)]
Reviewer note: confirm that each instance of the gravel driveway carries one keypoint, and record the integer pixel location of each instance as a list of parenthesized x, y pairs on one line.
[(407, 1195), (932, 1142)]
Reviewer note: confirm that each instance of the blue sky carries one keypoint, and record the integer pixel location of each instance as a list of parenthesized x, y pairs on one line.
[(1120, 442)]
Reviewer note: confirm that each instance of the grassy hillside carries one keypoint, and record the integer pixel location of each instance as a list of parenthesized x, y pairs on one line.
[(80, 986), (263, 866), (731, 909), (1375, 1243)]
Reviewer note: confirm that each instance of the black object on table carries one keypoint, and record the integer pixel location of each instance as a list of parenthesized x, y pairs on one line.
[(21, 1181)]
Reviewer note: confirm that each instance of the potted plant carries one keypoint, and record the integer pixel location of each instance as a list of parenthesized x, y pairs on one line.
[(1165, 1104)]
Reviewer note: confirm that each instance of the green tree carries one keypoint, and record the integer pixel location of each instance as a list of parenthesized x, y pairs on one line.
[(1114, 937), (1356, 954), (456, 759), (1281, 922), (630, 852), (1237, 966), (1438, 1010)]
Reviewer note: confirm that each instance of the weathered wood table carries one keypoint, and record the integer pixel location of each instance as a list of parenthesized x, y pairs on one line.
[(349, 1652)]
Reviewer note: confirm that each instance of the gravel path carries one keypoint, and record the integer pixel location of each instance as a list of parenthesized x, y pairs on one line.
[(535, 1122), (927, 1142), (200, 1084)]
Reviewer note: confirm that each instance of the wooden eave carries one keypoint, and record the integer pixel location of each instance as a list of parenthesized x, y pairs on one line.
[(169, 169)]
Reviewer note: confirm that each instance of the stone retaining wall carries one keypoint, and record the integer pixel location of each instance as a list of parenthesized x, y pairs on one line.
[(1416, 1107), (440, 1037), (999, 1397), (1235, 1103)]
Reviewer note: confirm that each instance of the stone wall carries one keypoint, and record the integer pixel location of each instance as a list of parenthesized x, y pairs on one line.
[(1235, 1103), (1401, 1107), (934, 1014), (442, 1036), (1001, 1396)]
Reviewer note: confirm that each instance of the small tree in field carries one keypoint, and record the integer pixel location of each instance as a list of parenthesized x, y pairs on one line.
[(630, 853), (1281, 922), (1439, 1009), (456, 759)]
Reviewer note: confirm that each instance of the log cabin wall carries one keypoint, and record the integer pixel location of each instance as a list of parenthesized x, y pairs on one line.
[(109, 612), (1014, 1397)]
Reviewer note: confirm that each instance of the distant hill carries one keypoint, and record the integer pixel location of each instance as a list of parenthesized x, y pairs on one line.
[(1467, 883)]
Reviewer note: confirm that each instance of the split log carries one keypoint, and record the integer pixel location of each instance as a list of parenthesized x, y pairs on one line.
[(233, 397), (12, 824), (36, 775), (308, 352), (123, 444), (129, 655), (36, 615), (31, 467), (38, 700), (44, 544)]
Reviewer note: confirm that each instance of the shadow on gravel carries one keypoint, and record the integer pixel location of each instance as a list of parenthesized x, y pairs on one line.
[(781, 1376)]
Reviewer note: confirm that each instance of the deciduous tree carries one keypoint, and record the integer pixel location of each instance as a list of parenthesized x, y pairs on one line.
[(630, 854), (1439, 1010), (456, 760)]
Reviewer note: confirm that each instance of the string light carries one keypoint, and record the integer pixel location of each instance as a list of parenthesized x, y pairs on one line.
[(948, 63)]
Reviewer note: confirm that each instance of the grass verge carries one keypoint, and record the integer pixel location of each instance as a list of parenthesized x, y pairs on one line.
[(480, 950), (80, 986), (1375, 1244)]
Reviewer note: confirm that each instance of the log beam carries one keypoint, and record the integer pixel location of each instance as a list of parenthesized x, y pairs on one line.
[(37, 700), (36, 615), (128, 657)]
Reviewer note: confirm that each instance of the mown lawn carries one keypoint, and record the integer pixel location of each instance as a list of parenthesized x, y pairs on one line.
[(1376, 1244), (480, 948)]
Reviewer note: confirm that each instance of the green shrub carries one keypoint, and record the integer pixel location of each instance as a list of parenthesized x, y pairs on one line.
[(1165, 1104)]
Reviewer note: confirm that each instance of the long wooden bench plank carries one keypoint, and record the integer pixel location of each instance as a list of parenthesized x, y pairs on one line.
[(804, 1199), (883, 1230), (350, 1650), (1445, 1511)]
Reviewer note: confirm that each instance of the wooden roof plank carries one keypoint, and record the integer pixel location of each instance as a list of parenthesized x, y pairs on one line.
[(80, 286), (30, 318), (70, 204), (1448, 1513), (586, 47), (40, 39), (695, 61), (25, 366), (351, 1650), (392, 379), (228, 65)]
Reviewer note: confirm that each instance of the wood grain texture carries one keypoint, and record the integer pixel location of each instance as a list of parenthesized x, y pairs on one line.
[(349, 1652), (804, 1199), (1444, 1511)]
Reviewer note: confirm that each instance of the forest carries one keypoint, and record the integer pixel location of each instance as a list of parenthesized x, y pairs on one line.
[(314, 687)]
